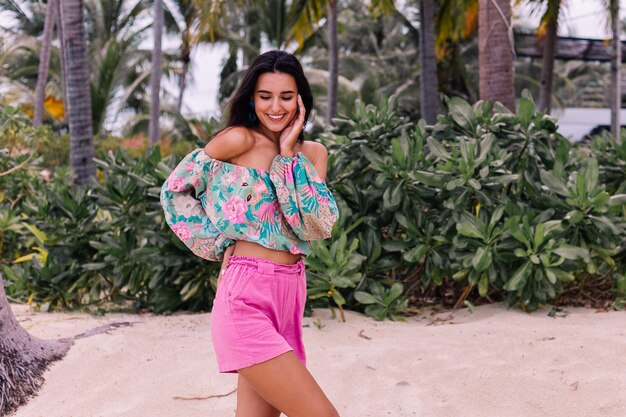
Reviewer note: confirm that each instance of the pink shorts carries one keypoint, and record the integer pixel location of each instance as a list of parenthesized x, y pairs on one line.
[(257, 312)]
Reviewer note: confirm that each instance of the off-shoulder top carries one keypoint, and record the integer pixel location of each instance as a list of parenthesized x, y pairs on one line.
[(210, 204)]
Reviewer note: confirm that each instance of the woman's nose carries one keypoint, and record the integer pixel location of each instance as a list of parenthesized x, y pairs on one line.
[(276, 105)]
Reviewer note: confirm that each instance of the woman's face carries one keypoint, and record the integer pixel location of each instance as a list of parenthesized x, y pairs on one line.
[(275, 100)]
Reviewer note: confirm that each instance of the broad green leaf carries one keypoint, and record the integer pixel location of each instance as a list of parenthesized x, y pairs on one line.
[(372, 156), (482, 259), (571, 252), (364, 297), (525, 112), (485, 148), (392, 196), (461, 112), (437, 149), (617, 200), (39, 235), (520, 253), (469, 230), (338, 298), (518, 280), (394, 292), (553, 183), (341, 282), (472, 182), (416, 254), (407, 224), (495, 218), (483, 285), (397, 154), (428, 178), (539, 235), (591, 175)]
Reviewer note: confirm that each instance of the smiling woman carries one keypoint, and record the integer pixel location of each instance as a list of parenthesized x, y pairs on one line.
[(255, 198)]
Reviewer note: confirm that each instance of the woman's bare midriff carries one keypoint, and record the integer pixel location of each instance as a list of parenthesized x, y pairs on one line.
[(243, 248)]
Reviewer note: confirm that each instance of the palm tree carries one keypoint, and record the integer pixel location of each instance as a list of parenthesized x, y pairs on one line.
[(24, 358), (496, 52), (82, 149), (333, 61), (155, 85), (548, 29), (44, 61), (616, 68), (428, 92)]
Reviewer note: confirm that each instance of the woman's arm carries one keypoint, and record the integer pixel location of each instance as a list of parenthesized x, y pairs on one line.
[(305, 200)]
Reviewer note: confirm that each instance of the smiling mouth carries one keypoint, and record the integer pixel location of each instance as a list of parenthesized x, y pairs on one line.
[(276, 118)]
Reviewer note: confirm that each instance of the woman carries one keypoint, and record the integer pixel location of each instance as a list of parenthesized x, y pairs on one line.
[(254, 198)]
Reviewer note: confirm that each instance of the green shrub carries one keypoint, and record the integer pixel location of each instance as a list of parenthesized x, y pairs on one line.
[(495, 201)]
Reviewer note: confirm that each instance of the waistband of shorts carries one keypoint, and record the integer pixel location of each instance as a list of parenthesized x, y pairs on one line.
[(266, 265)]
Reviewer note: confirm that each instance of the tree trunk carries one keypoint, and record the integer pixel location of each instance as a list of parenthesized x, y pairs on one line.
[(78, 95), (23, 358), (185, 58), (155, 82), (495, 52), (59, 26), (253, 36), (547, 66), (616, 72), (333, 61), (429, 99), (44, 62)]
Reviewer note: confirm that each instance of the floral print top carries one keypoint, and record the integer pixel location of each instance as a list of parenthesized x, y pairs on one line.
[(210, 204)]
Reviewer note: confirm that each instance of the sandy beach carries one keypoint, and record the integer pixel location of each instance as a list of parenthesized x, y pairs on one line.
[(491, 362)]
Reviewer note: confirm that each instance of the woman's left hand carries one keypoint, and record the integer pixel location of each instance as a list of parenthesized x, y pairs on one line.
[(289, 135)]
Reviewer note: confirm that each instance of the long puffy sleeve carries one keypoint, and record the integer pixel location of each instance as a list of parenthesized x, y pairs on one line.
[(305, 200), (182, 196)]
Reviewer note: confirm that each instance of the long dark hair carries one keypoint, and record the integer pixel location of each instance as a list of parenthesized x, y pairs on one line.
[(238, 108)]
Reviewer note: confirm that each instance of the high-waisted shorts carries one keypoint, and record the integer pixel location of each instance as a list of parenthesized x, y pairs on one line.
[(257, 312)]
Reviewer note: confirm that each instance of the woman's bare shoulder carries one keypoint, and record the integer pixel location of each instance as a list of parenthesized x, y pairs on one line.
[(230, 143), (314, 151)]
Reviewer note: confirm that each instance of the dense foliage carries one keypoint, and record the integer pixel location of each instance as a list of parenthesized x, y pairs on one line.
[(484, 205)]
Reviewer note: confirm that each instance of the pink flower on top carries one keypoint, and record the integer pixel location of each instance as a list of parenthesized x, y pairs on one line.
[(267, 211), (182, 231), (229, 179), (176, 184), (253, 234), (195, 181), (293, 219), (189, 165), (235, 209)]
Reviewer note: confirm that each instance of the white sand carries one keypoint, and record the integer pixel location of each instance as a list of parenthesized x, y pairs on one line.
[(492, 362)]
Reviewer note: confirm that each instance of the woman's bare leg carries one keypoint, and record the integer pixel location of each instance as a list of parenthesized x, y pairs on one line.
[(250, 403), (288, 386)]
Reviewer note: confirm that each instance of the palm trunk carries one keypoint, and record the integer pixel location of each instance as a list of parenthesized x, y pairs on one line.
[(23, 358), (155, 82), (616, 72), (333, 61), (495, 52), (549, 50), (59, 26), (429, 92), (253, 36), (79, 113), (44, 62), (185, 57)]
